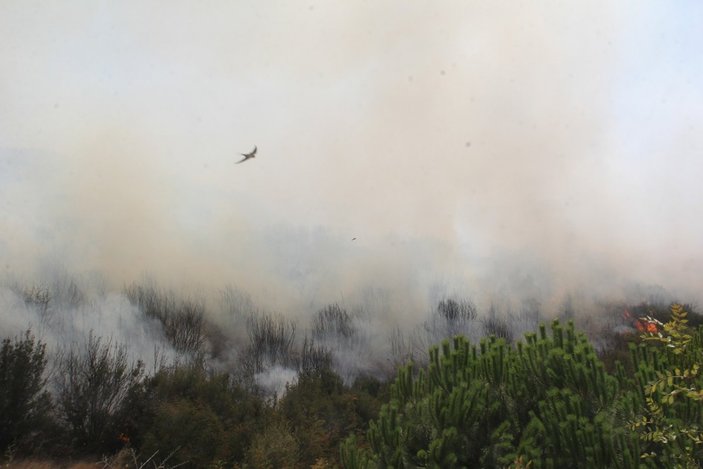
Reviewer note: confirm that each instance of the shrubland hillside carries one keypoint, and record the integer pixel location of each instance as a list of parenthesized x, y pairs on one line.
[(189, 388)]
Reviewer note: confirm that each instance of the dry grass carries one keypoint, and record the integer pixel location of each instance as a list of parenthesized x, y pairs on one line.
[(44, 464), (126, 458)]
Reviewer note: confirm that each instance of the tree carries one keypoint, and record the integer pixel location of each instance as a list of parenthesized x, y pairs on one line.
[(92, 381), (24, 402), (545, 402), (669, 366)]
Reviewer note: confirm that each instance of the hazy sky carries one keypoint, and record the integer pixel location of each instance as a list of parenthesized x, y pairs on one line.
[(500, 145)]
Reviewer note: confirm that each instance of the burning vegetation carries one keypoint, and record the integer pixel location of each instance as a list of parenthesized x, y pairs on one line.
[(249, 388)]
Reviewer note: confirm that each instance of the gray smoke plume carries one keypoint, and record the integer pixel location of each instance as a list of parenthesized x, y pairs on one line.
[(508, 154)]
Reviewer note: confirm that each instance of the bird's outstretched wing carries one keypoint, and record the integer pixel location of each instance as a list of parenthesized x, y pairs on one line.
[(246, 156), (250, 154)]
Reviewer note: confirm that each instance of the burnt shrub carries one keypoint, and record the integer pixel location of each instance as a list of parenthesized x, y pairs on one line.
[(271, 342), (457, 310), (183, 320), (451, 317), (498, 327), (314, 358), (334, 321)]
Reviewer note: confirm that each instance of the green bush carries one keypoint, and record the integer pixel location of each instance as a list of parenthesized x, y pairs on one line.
[(92, 382), (274, 447), (545, 402), (187, 394), (669, 374), (320, 411), (192, 433), (25, 405)]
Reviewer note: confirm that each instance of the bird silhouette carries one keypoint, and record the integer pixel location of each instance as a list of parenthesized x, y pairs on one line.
[(246, 156)]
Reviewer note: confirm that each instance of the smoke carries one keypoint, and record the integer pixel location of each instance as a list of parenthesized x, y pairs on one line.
[(407, 153), (64, 313), (276, 379)]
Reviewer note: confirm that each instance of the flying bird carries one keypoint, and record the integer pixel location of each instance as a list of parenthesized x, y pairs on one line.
[(246, 156)]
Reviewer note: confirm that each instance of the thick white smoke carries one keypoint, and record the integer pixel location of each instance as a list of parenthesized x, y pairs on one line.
[(511, 154)]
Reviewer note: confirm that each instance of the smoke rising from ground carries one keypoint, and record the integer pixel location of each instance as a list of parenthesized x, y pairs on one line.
[(500, 152)]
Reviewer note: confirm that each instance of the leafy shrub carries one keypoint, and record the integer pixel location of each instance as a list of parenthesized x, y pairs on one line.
[(231, 412), (671, 424), (274, 447), (24, 403), (92, 381), (321, 411), (192, 432)]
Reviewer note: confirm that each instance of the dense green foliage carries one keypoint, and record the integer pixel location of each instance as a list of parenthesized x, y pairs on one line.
[(672, 421), (201, 417), (546, 402), (24, 403), (322, 411)]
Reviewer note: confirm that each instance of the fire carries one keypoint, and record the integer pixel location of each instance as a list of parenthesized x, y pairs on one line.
[(639, 325), (642, 325)]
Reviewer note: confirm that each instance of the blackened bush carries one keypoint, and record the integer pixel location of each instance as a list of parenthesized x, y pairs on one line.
[(497, 327), (65, 290), (450, 318), (37, 297), (183, 320), (457, 311), (271, 342), (333, 321), (314, 358), (24, 403)]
